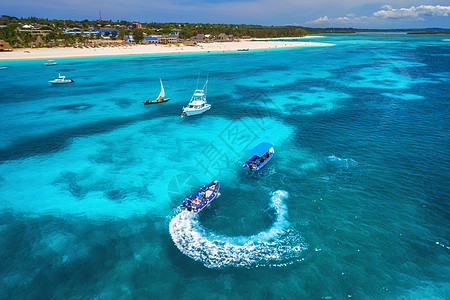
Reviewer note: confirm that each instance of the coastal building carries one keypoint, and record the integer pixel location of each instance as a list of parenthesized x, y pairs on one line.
[(201, 38), (107, 33), (225, 38), (160, 39), (175, 32), (82, 32), (104, 43), (129, 38), (39, 40), (150, 40), (107, 30), (5, 46), (139, 25), (168, 39), (34, 30), (189, 43)]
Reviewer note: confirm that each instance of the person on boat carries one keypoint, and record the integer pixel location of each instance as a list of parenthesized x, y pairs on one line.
[(257, 162)]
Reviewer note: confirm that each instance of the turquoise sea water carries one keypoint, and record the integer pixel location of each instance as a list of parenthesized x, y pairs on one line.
[(355, 203)]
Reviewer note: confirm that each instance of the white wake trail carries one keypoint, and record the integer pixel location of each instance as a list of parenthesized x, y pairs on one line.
[(278, 243)]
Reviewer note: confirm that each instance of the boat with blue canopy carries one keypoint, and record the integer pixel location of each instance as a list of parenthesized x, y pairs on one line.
[(262, 154), (201, 198)]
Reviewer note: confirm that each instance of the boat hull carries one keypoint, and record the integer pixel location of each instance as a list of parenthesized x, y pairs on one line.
[(194, 204), (62, 82), (156, 101), (260, 166), (196, 111)]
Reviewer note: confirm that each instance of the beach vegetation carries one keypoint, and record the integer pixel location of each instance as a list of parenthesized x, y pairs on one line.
[(23, 32), (138, 34)]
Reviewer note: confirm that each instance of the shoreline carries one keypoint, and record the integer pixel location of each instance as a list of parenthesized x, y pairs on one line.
[(70, 52)]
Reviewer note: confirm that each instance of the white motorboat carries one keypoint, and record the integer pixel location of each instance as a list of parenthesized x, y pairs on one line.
[(198, 104), (51, 62), (61, 80)]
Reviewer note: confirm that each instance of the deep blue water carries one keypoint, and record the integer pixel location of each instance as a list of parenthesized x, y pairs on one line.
[(355, 203)]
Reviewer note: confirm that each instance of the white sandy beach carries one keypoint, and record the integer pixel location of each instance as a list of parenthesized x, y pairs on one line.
[(51, 53)]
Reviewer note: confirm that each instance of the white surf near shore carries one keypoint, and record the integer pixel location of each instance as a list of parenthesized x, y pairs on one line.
[(277, 244), (52, 53)]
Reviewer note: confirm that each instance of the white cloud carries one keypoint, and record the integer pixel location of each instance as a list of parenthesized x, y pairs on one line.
[(349, 19), (417, 13), (413, 12)]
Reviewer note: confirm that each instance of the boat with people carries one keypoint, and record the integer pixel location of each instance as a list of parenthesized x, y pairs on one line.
[(201, 198), (198, 104), (50, 62), (61, 80), (160, 98), (262, 154)]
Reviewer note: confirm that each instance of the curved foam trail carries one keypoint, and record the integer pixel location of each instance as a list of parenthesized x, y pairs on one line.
[(342, 162), (278, 243)]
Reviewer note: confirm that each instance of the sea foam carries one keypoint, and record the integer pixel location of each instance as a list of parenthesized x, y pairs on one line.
[(342, 162), (278, 243)]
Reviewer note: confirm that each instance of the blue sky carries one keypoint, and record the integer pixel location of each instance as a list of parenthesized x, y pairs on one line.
[(312, 13)]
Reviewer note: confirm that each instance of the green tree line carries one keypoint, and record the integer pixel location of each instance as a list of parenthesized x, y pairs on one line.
[(10, 33)]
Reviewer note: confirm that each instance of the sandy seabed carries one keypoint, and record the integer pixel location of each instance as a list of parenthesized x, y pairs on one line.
[(50, 53)]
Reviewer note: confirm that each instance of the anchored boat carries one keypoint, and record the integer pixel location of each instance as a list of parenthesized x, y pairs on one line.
[(201, 198), (198, 104), (160, 97), (61, 80), (262, 154), (51, 62)]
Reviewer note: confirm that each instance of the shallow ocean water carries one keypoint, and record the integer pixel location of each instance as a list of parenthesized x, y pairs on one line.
[(355, 203)]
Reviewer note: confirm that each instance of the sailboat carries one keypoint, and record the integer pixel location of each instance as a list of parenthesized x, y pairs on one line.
[(198, 104), (160, 97)]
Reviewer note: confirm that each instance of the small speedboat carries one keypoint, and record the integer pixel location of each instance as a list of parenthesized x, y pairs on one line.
[(51, 62), (61, 80), (201, 198), (262, 154), (160, 98), (198, 104)]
